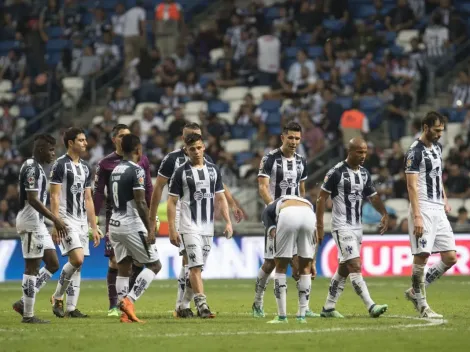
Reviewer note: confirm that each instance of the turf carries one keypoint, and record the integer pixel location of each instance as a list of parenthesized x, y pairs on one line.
[(234, 329)]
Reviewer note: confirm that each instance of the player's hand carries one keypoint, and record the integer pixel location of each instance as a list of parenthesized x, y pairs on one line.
[(55, 236), (384, 224), (313, 269), (175, 238), (418, 226), (238, 214), (447, 207), (320, 233), (228, 232), (60, 227), (272, 233), (151, 236), (96, 238)]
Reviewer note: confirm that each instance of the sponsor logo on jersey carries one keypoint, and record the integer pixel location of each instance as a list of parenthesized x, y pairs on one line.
[(284, 184), (198, 195)]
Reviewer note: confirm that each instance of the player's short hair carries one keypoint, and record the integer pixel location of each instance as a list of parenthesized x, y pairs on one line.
[(292, 126), (44, 138), (192, 138), (192, 126), (71, 134), (431, 118), (119, 127), (129, 143)]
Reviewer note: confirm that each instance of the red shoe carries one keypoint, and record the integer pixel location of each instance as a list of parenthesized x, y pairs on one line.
[(127, 307)]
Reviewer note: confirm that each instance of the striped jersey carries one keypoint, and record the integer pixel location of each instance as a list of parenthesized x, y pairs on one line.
[(125, 178), (74, 179), (427, 162), (348, 188), (196, 189), (435, 37), (285, 174), (32, 178)]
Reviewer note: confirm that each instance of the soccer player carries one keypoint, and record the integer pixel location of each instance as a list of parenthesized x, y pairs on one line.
[(71, 200), (103, 172), (168, 166), (36, 241), (197, 183), (129, 228), (429, 230), (290, 222), (348, 183), (282, 172)]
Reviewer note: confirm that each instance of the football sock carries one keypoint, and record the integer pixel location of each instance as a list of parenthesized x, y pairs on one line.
[(417, 282), (112, 292), (334, 291), (200, 301), (361, 289), (142, 282), (64, 280), (181, 285), (303, 286), (41, 280), (29, 295), (280, 291), (435, 272), (122, 286), (136, 270), (188, 293), (261, 283), (73, 291)]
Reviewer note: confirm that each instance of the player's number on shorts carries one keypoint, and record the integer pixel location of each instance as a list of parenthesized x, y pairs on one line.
[(115, 194)]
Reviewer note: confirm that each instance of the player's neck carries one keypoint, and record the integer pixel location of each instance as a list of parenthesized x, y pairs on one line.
[(119, 153), (38, 159), (197, 164), (351, 166), (287, 152), (424, 140), (74, 156)]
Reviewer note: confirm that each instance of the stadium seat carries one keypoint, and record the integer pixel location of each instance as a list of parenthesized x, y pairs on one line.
[(242, 132), (315, 51), (235, 107), (139, 109), (54, 32), (97, 120), (193, 118), (291, 52), (270, 105), (259, 91), (399, 205), (243, 170), (194, 107), (271, 13), (404, 37), (455, 204), (333, 25), (405, 142), (227, 116), (243, 157), (453, 130), (216, 55), (14, 111), (218, 106), (303, 40), (127, 119), (7, 96), (234, 93), (274, 129), (348, 79), (27, 112), (273, 118), (5, 86), (237, 145), (7, 45), (57, 44), (345, 102)]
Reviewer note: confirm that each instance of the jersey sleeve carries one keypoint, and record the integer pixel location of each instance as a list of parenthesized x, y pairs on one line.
[(167, 167), (412, 161), (57, 173), (31, 178), (88, 175), (208, 158), (369, 187), (148, 181), (266, 166), (268, 218), (101, 180), (330, 181), (304, 172), (219, 185), (176, 184), (138, 179)]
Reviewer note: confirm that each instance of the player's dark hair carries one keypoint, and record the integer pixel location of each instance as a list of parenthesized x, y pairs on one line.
[(119, 127), (44, 138), (129, 143), (292, 126), (71, 134), (192, 138), (431, 118), (192, 126)]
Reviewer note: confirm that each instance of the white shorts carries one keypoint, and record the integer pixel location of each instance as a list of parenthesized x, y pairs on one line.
[(131, 241), (295, 233), (348, 242), (437, 233), (34, 243), (77, 237), (197, 249)]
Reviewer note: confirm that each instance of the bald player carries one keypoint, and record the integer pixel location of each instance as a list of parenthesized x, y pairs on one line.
[(348, 183)]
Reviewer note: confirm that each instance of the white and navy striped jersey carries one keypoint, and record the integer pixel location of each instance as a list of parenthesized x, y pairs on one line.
[(434, 38), (460, 95), (74, 178), (348, 188), (196, 189), (32, 178), (285, 174), (125, 178), (427, 162), (174, 160)]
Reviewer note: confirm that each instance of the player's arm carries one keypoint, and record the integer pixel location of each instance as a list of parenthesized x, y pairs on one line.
[(413, 160), (380, 207), (303, 178), (269, 220), (91, 216), (148, 183), (263, 188), (160, 184), (233, 205), (222, 201), (57, 176), (99, 186), (171, 213), (302, 189), (142, 208), (320, 211)]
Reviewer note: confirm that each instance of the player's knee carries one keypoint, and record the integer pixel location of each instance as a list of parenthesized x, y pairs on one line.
[(450, 259), (32, 269), (77, 262), (354, 266), (155, 267), (268, 266), (52, 266)]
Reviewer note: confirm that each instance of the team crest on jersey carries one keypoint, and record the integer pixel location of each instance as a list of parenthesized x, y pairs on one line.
[(97, 174), (212, 174), (364, 176), (87, 171), (299, 169), (53, 169), (327, 176), (263, 162)]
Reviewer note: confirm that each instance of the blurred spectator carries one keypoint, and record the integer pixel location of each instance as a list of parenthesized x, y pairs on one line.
[(167, 72), (13, 66), (107, 51), (120, 104), (445, 9), (462, 223), (175, 129), (398, 111), (169, 101), (332, 114), (295, 70), (384, 183), (400, 189), (183, 59), (269, 57), (436, 39), (150, 120), (134, 32), (98, 24), (71, 17), (418, 7), (461, 90), (7, 217), (401, 17), (457, 184), (23, 95), (95, 151), (372, 162), (457, 29), (118, 20), (8, 31), (12, 198), (189, 88), (313, 136), (403, 228), (215, 126), (7, 175), (353, 123), (87, 65), (395, 161), (9, 152), (169, 26), (50, 15)]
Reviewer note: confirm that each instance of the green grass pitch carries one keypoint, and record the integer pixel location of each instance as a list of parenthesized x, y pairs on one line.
[(235, 330)]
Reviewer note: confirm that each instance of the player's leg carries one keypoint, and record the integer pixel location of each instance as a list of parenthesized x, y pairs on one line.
[(336, 288), (183, 310), (111, 277), (262, 279), (280, 289), (136, 270)]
